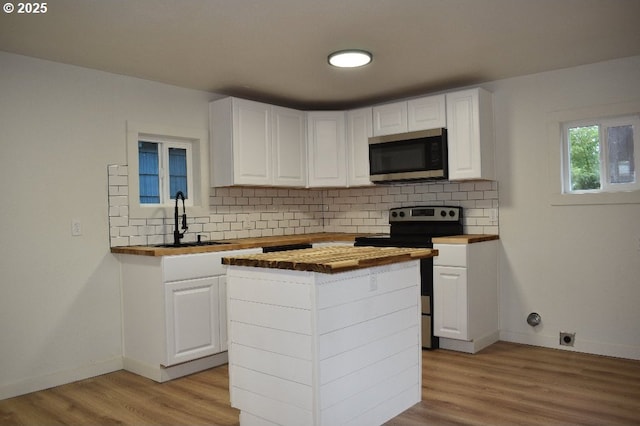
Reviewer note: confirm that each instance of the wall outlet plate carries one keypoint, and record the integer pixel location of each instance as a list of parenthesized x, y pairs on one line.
[(567, 339)]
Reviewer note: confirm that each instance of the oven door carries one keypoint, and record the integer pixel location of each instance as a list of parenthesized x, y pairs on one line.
[(429, 341)]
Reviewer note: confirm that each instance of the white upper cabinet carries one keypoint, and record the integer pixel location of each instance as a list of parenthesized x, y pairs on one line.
[(258, 144), (326, 144), (359, 130), (253, 143), (427, 113), (470, 135), (424, 113), (289, 147), (390, 119)]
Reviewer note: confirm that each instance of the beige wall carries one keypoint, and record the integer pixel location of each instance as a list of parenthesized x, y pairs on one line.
[(578, 266), (60, 126)]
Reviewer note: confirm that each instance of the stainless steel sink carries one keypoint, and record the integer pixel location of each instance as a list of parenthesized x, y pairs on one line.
[(191, 244)]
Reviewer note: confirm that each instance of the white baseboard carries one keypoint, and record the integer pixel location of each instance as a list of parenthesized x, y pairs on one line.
[(157, 373), (163, 374), (581, 345), (33, 384), (470, 347)]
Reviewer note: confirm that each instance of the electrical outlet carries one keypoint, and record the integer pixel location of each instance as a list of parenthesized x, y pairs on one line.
[(567, 339), (76, 227)]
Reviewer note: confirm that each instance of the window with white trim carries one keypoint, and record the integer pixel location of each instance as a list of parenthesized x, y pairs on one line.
[(164, 168), (601, 155)]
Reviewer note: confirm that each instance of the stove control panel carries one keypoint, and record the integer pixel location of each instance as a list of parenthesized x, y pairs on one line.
[(426, 214)]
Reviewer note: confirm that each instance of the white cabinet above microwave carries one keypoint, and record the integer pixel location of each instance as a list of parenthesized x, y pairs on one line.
[(424, 113)]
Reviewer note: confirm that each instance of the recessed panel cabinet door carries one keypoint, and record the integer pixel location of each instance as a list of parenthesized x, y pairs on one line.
[(327, 149), (427, 113), (252, 142), (289, 142), (450, 308), (359, 130), (470, 134), (192, 319), (390, 119)]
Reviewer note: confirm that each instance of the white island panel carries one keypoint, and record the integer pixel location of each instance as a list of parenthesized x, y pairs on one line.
[(346, 353)]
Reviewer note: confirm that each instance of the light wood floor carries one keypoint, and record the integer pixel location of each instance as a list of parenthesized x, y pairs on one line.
[(506, 384)]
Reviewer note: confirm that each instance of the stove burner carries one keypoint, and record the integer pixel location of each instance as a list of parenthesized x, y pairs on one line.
[(416, 226)]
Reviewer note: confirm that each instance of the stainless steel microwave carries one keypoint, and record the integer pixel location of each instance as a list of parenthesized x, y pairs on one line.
[(420, 155)]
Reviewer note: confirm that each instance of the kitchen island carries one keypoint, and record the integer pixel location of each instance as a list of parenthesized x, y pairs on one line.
[(325, 336)]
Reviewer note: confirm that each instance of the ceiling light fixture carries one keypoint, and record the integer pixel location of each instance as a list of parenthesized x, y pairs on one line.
[(351, 58)]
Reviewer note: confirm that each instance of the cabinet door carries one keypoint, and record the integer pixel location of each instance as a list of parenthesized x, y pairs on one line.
[(390, 119), (289, 154), (359, 130), (326, 150), (450, 312), (192, 319), (427, 113), (251, 142), (470, 134), (222, 306)]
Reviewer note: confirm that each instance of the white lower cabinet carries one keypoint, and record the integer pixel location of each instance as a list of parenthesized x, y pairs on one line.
[(450, 296), (174, 313), (193, 319), (465, 295)]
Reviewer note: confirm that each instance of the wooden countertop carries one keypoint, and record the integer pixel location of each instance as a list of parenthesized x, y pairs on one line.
[(465, 239), (237, 244), (329, 260)]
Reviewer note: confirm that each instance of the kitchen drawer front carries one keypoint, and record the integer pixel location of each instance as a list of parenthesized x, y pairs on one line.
[(451, 255), (199, 265)]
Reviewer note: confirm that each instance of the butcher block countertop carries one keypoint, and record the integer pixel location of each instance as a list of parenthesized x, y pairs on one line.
[(238, 244), (332, 259), (465, 239)]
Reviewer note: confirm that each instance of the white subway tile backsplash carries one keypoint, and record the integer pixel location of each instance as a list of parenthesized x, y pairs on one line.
[(253, 212)]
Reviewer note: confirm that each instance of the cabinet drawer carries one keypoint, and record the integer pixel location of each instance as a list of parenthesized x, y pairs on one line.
[(451, 255)]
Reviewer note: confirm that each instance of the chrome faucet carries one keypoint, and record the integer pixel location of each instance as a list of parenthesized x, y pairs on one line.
[(177, 235)]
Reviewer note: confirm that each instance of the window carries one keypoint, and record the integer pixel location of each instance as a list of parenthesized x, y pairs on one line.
[(163, 160), (601, 155), (164, 168)]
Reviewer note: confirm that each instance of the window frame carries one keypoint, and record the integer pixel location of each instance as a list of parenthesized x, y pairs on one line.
[(603, 124), (198, 142), (164, 144), (555, 137)]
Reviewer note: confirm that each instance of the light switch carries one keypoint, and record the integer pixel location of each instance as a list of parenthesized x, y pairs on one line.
[(76, 227)]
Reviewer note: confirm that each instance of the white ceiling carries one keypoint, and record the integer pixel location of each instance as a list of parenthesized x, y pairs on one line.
[(276, 50)]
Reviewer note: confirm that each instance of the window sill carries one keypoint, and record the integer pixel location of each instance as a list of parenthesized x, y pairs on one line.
[(630, 197)]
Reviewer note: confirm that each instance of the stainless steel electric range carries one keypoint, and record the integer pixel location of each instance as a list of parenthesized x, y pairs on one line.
[(415, 227)]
